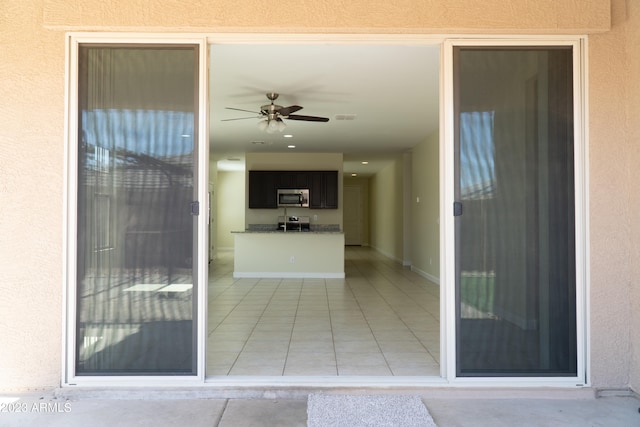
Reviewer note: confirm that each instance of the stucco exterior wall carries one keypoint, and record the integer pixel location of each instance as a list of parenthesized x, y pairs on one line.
[(32, 143), (633, 137), (405, 16), (31, 190), (612, 186)]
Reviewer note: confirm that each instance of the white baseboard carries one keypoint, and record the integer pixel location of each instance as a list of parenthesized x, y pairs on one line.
[(286, 275), (429, 277), (388, 255)]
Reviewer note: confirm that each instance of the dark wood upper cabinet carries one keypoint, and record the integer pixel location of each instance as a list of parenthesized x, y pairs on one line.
[(299, 179), (284, 179), (331, 190), (292, 179), (323, 189), (322, 185), (262, 190), (315, 190)]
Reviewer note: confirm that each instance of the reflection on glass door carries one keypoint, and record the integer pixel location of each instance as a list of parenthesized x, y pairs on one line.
[(136, 269), (515, 203)]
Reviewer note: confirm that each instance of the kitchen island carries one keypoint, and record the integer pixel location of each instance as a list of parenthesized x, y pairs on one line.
[(290, 254)]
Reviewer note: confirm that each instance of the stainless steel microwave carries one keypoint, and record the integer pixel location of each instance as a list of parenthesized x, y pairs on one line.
[(293, 198)]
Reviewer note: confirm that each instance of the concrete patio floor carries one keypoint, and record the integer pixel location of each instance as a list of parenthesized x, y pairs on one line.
[(49, 409)]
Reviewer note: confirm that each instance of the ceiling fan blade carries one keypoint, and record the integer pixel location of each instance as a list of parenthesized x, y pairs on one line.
[(241, 118), (240, 109), (308, 118), (285, 111)]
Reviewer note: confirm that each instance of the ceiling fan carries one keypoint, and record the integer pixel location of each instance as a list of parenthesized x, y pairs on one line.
[(272, 115)]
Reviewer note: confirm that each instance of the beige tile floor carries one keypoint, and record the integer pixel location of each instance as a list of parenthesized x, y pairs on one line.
[(381, 320)]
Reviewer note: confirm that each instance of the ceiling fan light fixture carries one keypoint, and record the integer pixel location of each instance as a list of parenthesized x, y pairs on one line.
[(273, 125), (271, 115)]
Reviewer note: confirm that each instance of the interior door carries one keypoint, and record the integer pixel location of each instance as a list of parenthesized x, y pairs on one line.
[(515, 211), (137, 204), (352, 213)]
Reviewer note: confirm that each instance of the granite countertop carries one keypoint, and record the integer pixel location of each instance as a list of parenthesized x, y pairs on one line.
[(315, 229), (249, 231)]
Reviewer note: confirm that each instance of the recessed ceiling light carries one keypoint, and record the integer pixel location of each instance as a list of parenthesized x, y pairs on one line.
[(354, 174), (345, 116), (365, 163), (291, 146), (288, 136)]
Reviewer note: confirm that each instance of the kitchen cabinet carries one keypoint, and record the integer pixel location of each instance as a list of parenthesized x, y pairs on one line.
[(323, 190), (292, 179), (262, 190), (299, 179), (331, 190), (322, 185)]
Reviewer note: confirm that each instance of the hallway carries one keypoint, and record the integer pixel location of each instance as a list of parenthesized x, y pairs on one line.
[(381, 320)]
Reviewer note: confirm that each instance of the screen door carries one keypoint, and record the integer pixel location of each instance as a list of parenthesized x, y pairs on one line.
[(136, 211), (515, 211)]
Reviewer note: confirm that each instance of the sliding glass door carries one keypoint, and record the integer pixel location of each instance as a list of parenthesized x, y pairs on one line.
[(136, 241), (515, 211), (136, 272)]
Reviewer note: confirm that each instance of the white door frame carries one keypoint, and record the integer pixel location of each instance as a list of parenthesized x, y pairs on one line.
[(73, 42), (447, 228), (447, 250)]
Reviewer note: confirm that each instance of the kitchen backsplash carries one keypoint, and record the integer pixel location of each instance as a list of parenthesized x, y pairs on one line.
[(325, 227)]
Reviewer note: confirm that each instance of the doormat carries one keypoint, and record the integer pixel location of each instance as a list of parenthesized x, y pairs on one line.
[(336, 410)]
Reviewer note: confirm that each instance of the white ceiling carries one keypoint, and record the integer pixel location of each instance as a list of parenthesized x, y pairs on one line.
[(392, 90)]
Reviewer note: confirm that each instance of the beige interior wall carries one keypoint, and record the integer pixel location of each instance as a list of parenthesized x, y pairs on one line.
[(386, 199), (213, 206), (230, 210), (425, 213), (32, 48)]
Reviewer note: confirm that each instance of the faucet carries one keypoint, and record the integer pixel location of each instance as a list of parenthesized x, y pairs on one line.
[(285, 219)]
